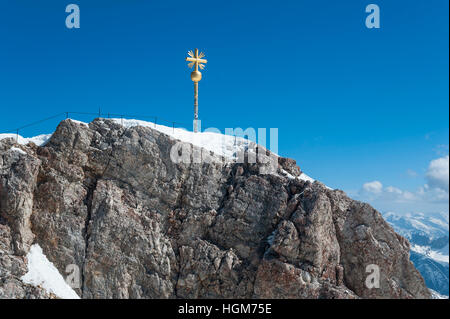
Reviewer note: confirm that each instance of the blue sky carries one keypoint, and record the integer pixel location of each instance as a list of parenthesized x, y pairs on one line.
[(352, 105)]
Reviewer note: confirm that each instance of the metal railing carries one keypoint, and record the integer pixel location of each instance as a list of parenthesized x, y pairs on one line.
[(98, 114)]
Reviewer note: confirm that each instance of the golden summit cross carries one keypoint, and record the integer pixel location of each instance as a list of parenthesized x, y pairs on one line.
[(196, 60)]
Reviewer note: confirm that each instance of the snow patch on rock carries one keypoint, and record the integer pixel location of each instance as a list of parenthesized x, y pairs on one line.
[(41, 272), (18, 150), (39, 140), (220, 144)]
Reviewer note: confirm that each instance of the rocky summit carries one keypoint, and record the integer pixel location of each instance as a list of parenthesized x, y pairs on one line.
[(110, 200)]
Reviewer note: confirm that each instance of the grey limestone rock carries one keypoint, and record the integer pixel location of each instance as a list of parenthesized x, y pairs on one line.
[(111, 201)]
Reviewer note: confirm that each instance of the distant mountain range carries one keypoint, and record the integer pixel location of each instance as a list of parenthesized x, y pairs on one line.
[(429, 238)]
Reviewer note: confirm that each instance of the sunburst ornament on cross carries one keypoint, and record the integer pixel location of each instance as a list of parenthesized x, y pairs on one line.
[(196, 60)]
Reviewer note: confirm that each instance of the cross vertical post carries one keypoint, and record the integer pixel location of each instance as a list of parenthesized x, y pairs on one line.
[(195, 107), (196, 61)]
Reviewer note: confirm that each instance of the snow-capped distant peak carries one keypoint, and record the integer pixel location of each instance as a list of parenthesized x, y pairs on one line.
[(428, 235), (436, 295), (433, 254)]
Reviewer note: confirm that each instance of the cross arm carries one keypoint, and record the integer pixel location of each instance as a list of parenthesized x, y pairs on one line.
[(197, 60)]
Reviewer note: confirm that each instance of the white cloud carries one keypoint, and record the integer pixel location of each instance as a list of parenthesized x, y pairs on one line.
[(375, 191), (432, 196), (438, 172), (393, 190), (374, 187)]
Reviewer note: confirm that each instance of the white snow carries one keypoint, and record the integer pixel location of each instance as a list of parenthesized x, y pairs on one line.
[(41, 272), (39, 140), (290, 176), (79, 122), (302, 176), (220, 144), (438, 222), (433, 254), (306, 178), (431, 224), (420, 225), (15, 149), (224, 145), (436, 295)]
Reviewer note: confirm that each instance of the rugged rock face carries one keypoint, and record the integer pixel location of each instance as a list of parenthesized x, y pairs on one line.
[(12, 267), (111, 201)]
